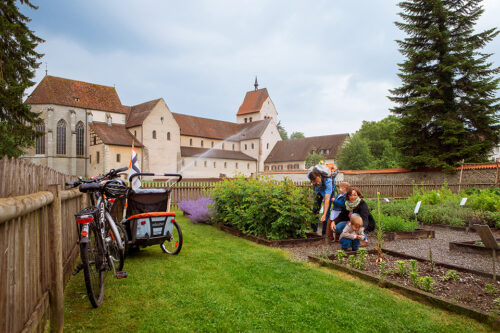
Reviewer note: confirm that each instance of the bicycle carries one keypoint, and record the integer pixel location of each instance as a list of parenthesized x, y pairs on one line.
[(102, 241)]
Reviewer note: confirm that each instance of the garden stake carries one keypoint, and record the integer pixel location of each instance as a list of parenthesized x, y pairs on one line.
[(431, 261)]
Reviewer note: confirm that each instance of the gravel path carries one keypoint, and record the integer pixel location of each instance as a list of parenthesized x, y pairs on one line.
[(418, 248)]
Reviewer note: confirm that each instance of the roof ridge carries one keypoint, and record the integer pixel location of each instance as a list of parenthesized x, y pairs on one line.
[(153, 100), (94, 84), (187, 115)]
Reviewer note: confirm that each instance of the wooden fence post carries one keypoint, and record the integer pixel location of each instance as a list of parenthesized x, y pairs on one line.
[(461, 172), (57, 287)]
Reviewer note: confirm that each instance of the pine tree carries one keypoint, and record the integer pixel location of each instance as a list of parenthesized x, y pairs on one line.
[(18, 61), (447, 102)]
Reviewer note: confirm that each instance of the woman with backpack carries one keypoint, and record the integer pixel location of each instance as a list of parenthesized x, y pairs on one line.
[(354, 204)]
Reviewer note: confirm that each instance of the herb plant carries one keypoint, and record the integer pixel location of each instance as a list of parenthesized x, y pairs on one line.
[(450, 275), (401, 269)]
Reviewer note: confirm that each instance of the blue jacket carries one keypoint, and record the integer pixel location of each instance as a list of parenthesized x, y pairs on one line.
[(339, 202)]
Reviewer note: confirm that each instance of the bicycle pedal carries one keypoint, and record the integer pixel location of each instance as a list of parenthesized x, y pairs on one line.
[(121, 275)]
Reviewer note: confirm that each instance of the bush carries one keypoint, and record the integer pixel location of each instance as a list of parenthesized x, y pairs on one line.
[(486, 200), (397, 223), (197, 210), (263, 208)]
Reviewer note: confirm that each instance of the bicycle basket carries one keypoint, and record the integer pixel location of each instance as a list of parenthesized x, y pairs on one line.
[(115, 188)]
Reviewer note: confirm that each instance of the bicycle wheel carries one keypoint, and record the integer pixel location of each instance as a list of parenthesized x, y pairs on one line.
[(93, 266), (174, 244), (117, 255)]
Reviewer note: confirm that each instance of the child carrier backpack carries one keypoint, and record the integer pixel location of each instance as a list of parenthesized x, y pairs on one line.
[(326, 170)]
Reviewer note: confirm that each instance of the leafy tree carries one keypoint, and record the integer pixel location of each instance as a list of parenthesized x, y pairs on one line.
[(282, 131), (447, 102), (313, 158), (297, 135), (355, 154), (380, 139), (18, 61)]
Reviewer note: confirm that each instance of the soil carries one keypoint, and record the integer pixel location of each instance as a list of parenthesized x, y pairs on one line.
[(469, 289)]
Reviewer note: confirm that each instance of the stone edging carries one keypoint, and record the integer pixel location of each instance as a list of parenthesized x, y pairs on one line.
[(414, 293), (311, 237)]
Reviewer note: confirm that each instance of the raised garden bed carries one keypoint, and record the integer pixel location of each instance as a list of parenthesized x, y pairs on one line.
[(311, 237), (416, 234), (471, 247), (471, 293)]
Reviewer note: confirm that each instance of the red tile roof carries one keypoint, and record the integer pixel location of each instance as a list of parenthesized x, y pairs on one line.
[(298, 149), (253, 101), (115, 134), (204, 127), (479, 166), (139, 112), (215, 153), (60, 91)]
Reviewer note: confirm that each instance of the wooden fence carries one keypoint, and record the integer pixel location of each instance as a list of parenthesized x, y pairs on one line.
[(195, 190), (38, 245)]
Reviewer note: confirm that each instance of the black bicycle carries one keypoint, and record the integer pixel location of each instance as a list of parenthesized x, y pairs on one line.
[(102, 240)]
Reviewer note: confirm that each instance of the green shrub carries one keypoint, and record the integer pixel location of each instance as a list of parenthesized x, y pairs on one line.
[(486, 200), (263, 208), (397, 223)]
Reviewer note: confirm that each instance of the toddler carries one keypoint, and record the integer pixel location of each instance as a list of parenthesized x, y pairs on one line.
[(353, 233), (338, 204)]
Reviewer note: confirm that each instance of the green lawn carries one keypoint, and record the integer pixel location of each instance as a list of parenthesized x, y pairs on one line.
[(223, 283)]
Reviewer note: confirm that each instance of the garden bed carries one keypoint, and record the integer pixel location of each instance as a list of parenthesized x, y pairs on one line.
[(417, 234), (471, 247), (468, 293), (311, 237)]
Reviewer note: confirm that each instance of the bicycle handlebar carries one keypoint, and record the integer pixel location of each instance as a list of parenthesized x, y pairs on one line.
[(113, 173)]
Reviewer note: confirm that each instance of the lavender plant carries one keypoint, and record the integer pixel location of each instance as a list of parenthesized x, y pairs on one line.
[(198, 210)]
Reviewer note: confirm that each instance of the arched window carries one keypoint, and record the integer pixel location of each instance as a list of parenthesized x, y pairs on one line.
[(201, 143), (252, 145), (245, 146), (154, 134), (135, 134), (80, 138), (212, 144), (225, 164), (40, 141), (236, 165), (61, 137), (190, 142), (168, 136)]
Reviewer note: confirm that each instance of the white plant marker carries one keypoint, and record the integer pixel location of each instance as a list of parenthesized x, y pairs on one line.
[(462, 203), (387, 200), (417, 207)]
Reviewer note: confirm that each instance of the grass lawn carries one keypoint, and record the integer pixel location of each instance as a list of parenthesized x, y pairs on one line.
[(219, 282)]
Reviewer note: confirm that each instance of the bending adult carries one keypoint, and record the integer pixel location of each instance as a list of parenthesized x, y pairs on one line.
[(354, 204), (323, 189)]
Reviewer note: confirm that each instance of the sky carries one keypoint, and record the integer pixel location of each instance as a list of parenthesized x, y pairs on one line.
[(327, 65)]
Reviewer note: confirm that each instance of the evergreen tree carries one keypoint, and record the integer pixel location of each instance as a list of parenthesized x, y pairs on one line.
[(18, 61), (282, 131), (447, 102)]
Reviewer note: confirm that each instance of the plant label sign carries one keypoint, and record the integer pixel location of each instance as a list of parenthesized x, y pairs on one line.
[(462, 203), (417, 207)]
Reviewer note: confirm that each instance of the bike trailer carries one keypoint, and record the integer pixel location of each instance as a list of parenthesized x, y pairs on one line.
[(151, 228)]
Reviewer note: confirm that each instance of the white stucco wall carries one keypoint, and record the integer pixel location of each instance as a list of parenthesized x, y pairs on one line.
[(160, 155), (192, 167)]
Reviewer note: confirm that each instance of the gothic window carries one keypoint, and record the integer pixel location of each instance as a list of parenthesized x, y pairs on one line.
[(168, 136), (154, 134), (80, 138), (40, 141), (61, 137)]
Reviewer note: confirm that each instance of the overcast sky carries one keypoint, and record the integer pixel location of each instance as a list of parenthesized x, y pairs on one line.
[(327, 64)]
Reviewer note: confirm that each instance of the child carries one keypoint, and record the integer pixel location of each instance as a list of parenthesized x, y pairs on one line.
[(338, 204), (353, 233)]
